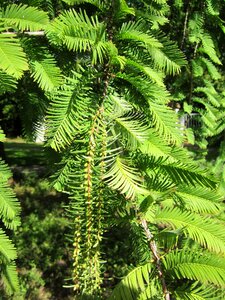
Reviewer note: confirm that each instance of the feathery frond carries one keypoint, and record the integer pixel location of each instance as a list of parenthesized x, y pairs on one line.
[(46, 73), (177, 172), (9, 206), (196, 292), (24, 17), (125, 179), (209, 48), (133, 31), (124, 9), (204, 267), (67, 112), (199, 199), (118, 105), (136, 284), (153, 75), (169, 58), (13, 59), (211, 68), (7, 249), (162, 117), (111, 119), (97, 3), (7, 83), (133, 128), (81, 33), (10, 278), (205, 231)]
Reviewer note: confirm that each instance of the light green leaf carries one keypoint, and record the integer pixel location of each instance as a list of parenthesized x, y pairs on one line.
[(203, 267), (125, 179), (46, 73), (12, 58), (205, 231), (24, 17), (132, 285), (134, 129), (7, 249), (9, 277)]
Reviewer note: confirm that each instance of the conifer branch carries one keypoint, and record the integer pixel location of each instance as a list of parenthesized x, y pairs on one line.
[(153, 248), (76, 252), (89, 124), (29, 33)]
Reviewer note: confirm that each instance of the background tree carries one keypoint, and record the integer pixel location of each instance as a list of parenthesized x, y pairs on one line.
[(200, 89)]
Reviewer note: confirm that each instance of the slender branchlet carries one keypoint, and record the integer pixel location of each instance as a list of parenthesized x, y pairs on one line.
[(192, 75), (155, 252), (76, 252), (185, 26), (93, 253)]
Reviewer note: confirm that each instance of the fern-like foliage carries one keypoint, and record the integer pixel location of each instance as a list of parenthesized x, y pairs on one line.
[(17, 17), (24, 17), (65, 122), (132, 130), (97, 3), (199, 199), (136, 285), (204, 95), (10, 278), (9, 206), (81, 33), (13, 63), (121, 143), (203, 230), (46, 73), (204, 268), (13, 59), (7, 83), (124, 178), (158, 113), (43, 65), (9, 214), (196, 292), (111, 119)]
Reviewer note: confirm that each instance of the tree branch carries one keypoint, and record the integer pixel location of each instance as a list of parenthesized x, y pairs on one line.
[(153, 248), (185, 26), (30, 33)]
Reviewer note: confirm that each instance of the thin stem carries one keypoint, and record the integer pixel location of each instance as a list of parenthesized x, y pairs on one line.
[(153, 248), (30, 33), (185, 26), (107, 74), (192, 75)]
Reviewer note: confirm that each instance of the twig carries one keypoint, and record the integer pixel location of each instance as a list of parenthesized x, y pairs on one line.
[(185, 26), (30, 33), (192, 75), (153, 248)]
